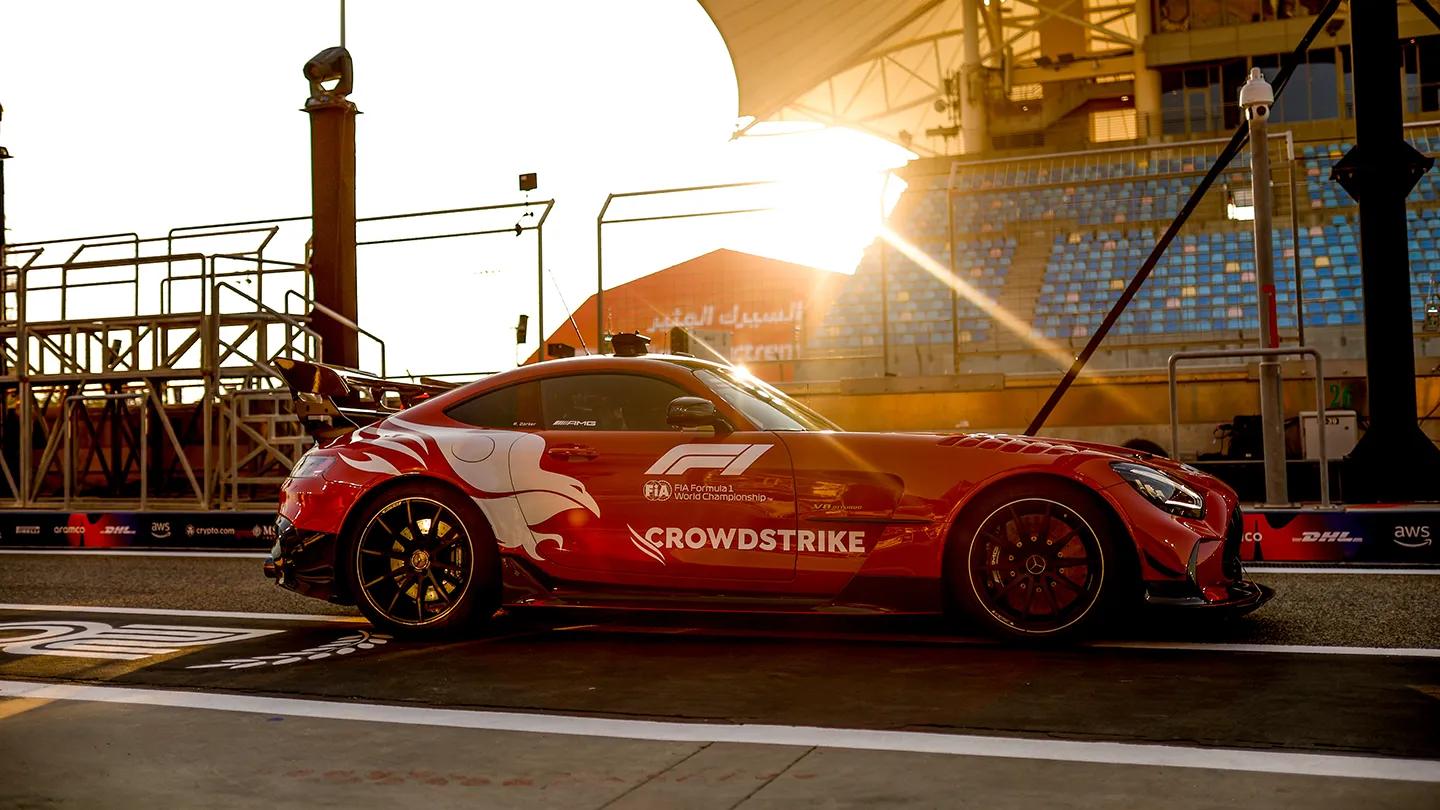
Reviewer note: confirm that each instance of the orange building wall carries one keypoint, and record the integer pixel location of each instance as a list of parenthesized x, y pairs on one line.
[(767, 306)]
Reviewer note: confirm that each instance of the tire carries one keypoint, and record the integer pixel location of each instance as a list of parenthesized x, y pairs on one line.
[(422, 562), (1036, 562)]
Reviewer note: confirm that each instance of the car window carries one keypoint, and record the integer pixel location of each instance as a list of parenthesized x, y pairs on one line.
[(768, 407), (514, 406), (607, 402)]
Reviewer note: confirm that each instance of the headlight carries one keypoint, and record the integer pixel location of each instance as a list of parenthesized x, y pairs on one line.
[(311, 466), (1162, 490)]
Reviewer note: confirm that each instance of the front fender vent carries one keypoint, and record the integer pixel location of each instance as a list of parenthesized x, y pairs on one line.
[(1008, 444)]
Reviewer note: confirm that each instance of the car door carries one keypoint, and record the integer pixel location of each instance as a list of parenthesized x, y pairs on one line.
[(685, 509)]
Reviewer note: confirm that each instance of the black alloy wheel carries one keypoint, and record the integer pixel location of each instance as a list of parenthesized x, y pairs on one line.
[(417, 564), (1034, 565)]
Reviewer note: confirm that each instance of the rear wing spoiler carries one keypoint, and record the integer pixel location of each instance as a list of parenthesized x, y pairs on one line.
[(332, 401)]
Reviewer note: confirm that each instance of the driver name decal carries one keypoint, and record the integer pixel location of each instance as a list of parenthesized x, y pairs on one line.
[(653, 542)]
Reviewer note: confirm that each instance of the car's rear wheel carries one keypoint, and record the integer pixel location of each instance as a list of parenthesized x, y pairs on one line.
[(422, 562), (1034, 562)]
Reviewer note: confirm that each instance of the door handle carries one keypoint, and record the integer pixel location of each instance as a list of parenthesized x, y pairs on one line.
[(573, 452)]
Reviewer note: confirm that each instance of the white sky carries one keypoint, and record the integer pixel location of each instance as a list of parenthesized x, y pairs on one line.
[(143, 116)]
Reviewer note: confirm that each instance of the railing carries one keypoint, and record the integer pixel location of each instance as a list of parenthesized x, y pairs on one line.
[(265, 449), (1297, 351), (340, 319), (293, 328), (67, 462), (96, 317)]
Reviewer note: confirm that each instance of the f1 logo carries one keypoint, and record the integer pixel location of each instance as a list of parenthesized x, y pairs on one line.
[(730, 459)]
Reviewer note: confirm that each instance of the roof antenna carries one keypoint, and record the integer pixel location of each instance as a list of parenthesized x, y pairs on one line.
[(568, 313)]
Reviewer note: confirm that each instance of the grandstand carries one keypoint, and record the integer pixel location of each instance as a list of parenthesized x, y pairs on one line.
[(1055, 242)]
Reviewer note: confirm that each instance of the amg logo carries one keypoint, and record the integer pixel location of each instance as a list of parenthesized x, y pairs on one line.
[(1328, 537), (729, 459)]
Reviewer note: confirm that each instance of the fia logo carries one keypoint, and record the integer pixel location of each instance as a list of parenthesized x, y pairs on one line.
[(657, 491)]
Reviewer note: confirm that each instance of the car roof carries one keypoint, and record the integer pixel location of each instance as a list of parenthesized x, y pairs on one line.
[(665, 364)]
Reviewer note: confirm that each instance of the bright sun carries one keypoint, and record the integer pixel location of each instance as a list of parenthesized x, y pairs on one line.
[(833, 188)]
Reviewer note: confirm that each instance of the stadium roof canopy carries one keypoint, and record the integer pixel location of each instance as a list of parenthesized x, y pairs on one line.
[(881, 65)]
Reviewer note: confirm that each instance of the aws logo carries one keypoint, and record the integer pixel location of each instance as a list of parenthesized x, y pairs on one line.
[(1413, 536)]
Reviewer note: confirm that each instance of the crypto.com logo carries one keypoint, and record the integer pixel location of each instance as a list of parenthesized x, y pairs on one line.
[(729, 459)]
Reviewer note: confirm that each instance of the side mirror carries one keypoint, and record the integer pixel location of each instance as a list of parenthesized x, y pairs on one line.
[(695, 412)]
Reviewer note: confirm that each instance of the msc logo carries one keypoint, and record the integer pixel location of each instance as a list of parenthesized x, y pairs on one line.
[(657, 491), (1413, 536), (729, 459), (1328, 537)]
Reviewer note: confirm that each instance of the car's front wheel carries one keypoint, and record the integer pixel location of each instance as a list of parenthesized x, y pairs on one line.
[(422, 563), (1034, 562)]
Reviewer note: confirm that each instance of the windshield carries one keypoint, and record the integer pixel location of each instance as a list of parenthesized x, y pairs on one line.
[(767, 407)]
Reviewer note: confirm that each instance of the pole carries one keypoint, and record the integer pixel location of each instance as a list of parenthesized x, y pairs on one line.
[(954, 293), (974, 130), (22, 371), (1394, 460), (1147, 79), (332, 203), (540, 289), (1231, 149), (1295, 241), (1257, 98), (599, 281), (884, 289)]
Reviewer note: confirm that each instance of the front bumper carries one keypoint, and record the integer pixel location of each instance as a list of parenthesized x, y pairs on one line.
[(1241, 597), (1214, 577), (304, 562)]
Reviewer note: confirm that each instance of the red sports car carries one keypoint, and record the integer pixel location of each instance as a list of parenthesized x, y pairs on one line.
[(669, 482)]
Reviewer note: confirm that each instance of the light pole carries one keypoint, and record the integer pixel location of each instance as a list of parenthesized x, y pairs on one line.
[(1257, 98), (4, 156)]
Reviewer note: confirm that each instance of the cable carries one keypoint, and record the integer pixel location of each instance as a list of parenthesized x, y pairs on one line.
[(1237, 142), (568, 313)]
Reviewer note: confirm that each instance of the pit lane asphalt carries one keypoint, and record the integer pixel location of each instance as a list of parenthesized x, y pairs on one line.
[(1391, 610), (836, 673)]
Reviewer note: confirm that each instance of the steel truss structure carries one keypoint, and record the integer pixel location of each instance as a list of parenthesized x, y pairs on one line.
[(911, 82), (135, 372)]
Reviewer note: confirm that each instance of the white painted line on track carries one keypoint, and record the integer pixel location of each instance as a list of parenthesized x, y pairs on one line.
[(1293, 649), (1104, 753), (1302, 569), (200, 614), (965, 641), (115, 552)]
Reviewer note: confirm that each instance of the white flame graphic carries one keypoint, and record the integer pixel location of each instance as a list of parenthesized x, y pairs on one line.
[(502, 465)]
